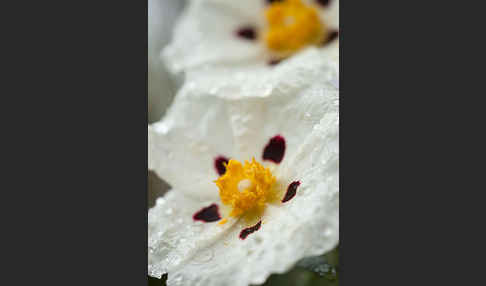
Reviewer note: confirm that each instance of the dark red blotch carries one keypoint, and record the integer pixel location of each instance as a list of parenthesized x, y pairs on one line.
[(323, 2), (249, 230), (274, 62), (219, 164), (291, 191), (208, 214), (331, 37), (246, 32), (271, 1), (275, 149)]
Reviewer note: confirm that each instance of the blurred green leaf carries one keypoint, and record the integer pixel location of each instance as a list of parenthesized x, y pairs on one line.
[(157, 282)]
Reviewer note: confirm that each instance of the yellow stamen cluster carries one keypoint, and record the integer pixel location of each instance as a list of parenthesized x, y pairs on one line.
[(292, 25), (246, 188)]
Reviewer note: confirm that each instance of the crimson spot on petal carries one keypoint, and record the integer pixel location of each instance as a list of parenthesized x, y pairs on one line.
[(247, 32), (331, 37), (323, 2), (249, 230), (219, 166), (275, 149), (274, 62), (208, 214), (271, 1), (291, 191)]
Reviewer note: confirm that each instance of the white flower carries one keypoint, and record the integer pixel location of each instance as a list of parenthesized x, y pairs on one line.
[(256, 219), (258, 33), (161, 85)]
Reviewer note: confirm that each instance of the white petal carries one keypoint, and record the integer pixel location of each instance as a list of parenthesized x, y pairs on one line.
[(330, 15), (205, 34), (161, 87), (307, 225), (211, 254), (288, 99), (174, 237), (183, 146), (235, 115), (316, 160)]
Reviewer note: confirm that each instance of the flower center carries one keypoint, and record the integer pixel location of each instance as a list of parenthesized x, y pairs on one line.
[(246, 188), (292, 25)]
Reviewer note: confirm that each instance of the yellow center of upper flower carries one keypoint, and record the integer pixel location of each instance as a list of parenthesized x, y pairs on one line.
[(246, 188), (292, 25)]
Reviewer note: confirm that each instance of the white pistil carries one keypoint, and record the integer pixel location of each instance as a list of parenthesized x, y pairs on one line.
[(243, 185), (289, 20)]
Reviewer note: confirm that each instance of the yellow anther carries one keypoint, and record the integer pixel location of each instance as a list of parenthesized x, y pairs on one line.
[(246, 188), (292, 25), (223, 221)]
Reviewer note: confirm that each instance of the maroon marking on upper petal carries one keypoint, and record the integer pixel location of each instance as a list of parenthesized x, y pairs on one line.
[(275, 149), (219, 166), (331, 37), (249, 230), (274, 62), (246, 32), (323, 2), (271, 1), (291, 191), (208, 214)]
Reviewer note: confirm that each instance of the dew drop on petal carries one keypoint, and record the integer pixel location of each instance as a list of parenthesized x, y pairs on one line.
[(177, 279), (291, 191), (327, 232), (275, 149), (208, 214), (219, 166), (203, 257), (249, 230)]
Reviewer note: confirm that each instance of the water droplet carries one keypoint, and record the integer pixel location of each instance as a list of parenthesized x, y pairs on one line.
[(214, 90), (267, 90), (177, 279), (203, 257), (327, 232), (191, 85), (258, 239)]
